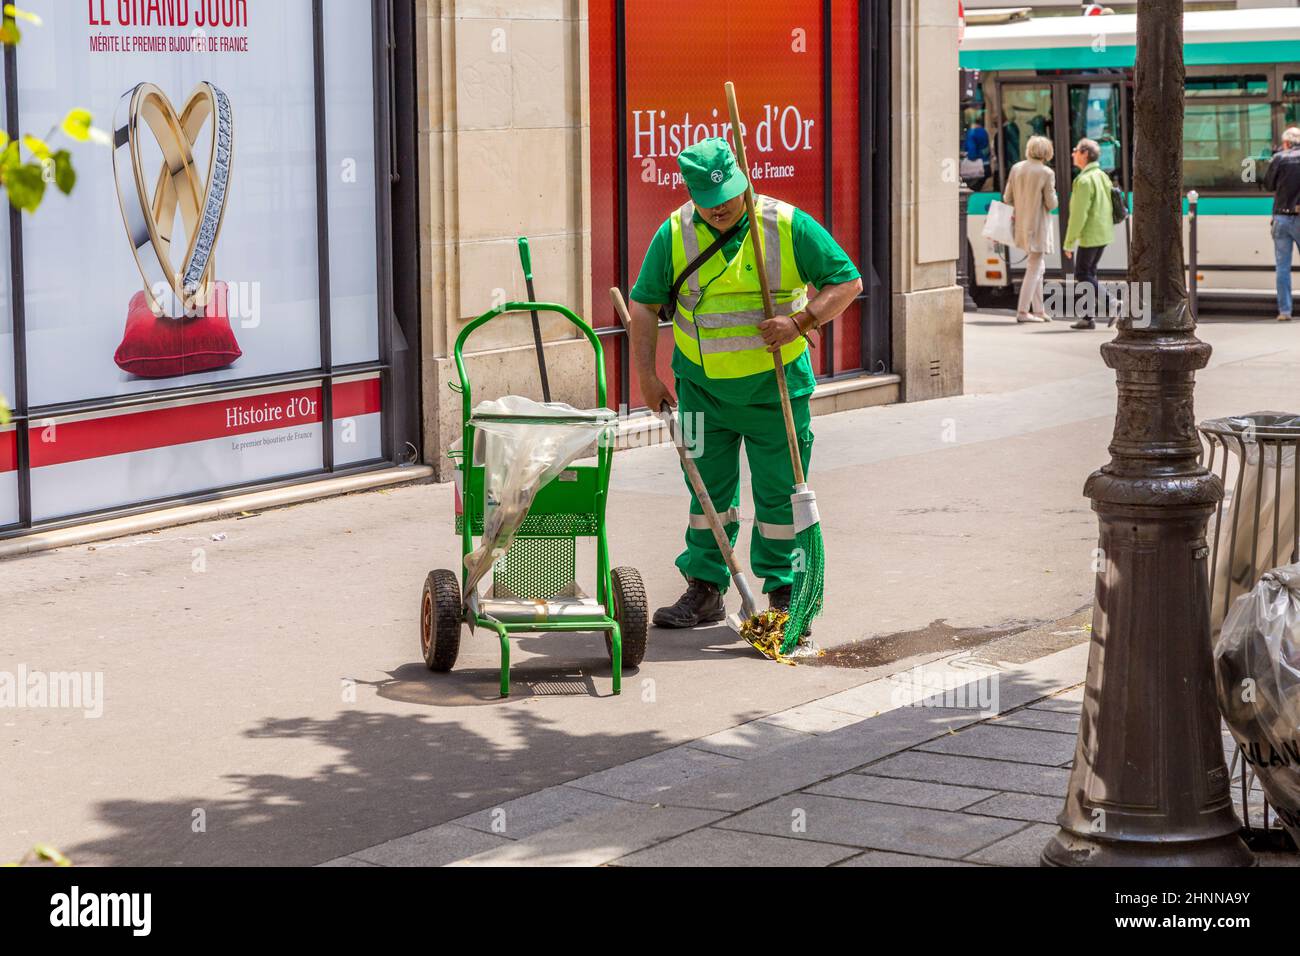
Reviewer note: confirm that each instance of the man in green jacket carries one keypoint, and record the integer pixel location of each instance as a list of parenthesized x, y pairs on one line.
[(724, 355), (1092, 229)]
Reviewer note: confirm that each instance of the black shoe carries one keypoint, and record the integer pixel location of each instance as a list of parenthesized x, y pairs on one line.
[(779, 600), (701, 604), (1084, 324)]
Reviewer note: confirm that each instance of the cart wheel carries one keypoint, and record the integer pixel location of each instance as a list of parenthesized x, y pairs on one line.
[(630, 610), (440, 620)]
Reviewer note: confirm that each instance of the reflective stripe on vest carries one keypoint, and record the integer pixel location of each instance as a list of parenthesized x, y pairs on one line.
[(721, 306)]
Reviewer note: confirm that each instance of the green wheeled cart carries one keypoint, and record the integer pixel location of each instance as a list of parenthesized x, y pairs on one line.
[(533, 584)]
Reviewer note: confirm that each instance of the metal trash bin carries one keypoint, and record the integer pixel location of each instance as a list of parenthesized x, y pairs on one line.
[(1255, 529)]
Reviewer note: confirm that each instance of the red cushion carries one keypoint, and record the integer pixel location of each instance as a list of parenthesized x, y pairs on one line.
[(155, 347)]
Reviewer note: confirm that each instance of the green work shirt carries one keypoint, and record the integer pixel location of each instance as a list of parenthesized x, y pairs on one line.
[(820, 261), (1091, 222)]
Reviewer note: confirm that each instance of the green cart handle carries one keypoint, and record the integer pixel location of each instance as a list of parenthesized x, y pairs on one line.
[(526, 259), (488, 316)]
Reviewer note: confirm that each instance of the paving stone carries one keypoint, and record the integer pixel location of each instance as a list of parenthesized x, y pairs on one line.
[(812, 719), (748, 740), (783, 771), (347, 861), (881, 858), (865, 700), (909, 793), (1006, 743), (973, 772), (538, 811), (878, 826), (436, 846), (713, 847), (1056, 721), (1066, 701), (1019, 849), (1055, 705), (645, 778), (598, 839), (1020, 806)]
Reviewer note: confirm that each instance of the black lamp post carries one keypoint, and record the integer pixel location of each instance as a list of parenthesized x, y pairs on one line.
[(1149, 785)]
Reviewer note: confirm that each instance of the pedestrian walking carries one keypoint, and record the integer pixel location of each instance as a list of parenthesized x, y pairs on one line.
[(1283, 181), (1031, 191), (701, 268), (1091, 228)]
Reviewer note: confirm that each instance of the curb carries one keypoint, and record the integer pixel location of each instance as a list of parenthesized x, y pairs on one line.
[(224, 507)]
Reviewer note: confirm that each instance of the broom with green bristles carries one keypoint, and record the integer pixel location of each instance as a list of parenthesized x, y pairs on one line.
[(809, 552)]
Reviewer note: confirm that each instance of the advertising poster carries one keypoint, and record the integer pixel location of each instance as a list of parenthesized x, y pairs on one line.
[(675, 98), (189, 251), (8, 476), (776, 54)]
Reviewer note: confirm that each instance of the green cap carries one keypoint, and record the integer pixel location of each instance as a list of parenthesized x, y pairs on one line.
[(711, 174)]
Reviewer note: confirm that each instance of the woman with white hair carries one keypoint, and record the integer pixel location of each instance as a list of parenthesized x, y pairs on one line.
[(1031, 191)]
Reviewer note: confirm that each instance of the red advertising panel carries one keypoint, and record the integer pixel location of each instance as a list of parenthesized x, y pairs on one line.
[(83, 463), (772, 52), (777, 55)]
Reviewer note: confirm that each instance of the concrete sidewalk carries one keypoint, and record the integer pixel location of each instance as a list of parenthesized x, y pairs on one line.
[(899, 768), (959, 762), (274, 691)]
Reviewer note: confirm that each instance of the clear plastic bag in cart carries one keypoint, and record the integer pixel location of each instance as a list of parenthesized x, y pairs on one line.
[(524, 444), (1257, 670)]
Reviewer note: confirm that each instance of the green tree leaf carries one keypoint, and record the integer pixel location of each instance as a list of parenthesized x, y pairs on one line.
[(25, 184), (13, 11), (38, 146), (48, 853), (65, 177), (77, 124)]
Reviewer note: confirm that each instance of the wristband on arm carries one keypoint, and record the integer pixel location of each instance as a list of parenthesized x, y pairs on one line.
[(812, 326)]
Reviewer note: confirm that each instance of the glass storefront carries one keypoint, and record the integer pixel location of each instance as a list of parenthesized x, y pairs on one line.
[(211, 294)]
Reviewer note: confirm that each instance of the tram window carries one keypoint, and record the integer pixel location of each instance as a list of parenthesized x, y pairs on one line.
[(1222, 141), (1094, 114), (1026, 112), (976, 147), (1291, 110), (1255, 84)]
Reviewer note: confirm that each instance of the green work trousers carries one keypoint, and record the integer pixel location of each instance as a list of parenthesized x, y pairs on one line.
[(712, 433)]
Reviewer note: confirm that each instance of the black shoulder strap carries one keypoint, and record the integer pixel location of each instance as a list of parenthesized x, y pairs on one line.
[(668, 311)]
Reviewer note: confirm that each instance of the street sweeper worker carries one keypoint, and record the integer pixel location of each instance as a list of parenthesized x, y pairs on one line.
[(700, 270)]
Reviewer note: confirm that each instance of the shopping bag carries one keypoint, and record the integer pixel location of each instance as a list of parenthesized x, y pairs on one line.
[(999, 225)]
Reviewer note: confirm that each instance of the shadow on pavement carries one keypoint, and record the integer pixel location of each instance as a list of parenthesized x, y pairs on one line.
[(389, 775)]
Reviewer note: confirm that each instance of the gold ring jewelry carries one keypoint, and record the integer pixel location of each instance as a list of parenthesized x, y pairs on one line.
[(170, 291)]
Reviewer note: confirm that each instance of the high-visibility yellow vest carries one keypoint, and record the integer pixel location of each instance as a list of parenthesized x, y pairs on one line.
[(721, 304)]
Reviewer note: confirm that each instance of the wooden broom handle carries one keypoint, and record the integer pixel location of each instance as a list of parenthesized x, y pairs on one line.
[(792, 439)]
